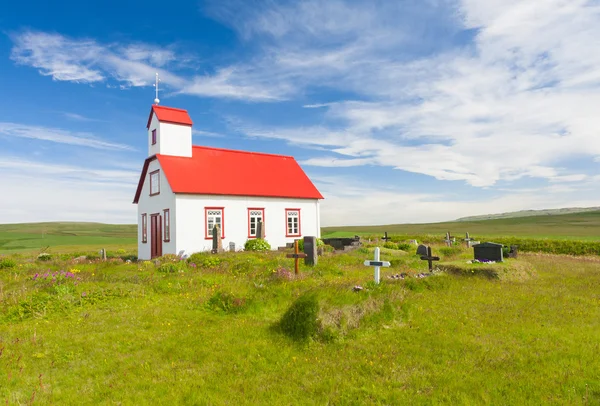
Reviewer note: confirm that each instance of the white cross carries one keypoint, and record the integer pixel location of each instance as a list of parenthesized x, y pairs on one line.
[(377, 263), (156, 101)]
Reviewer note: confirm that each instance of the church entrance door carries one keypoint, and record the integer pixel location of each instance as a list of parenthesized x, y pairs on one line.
[(155, 236)]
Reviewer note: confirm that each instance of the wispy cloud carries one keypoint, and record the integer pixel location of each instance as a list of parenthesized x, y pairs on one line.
[(89, 61), (56, 135), (514, 100)]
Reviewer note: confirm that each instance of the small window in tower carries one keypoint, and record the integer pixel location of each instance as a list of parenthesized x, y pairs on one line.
[(153, 137)]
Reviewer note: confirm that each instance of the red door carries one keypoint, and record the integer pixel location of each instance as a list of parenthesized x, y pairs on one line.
[(155, 236)]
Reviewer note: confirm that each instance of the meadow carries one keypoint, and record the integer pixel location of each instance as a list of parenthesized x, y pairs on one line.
[(241, 328), (574, 226)]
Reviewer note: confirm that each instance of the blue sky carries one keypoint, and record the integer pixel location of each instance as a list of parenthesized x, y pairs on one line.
[(405, 111)]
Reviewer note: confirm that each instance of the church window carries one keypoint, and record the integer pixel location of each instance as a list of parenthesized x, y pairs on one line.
[(292, 217), (214, 216), (144, 228), (153, 136), (254, 216), (154, 183), (167, 225)]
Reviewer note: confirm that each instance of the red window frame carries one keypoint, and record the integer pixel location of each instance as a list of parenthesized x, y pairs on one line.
[(158, 188), (144, 228), (262, 219), (154, 137), (167, 225), (287, 234), (206, 210)]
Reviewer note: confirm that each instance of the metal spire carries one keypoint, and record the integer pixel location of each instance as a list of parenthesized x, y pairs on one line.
[(156, 101)]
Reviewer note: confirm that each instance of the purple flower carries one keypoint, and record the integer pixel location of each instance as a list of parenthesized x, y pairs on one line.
[(83, 294)]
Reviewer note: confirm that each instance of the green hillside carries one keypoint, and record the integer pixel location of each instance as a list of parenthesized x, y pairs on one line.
[(530, 213), (34, 236), (582, 226)]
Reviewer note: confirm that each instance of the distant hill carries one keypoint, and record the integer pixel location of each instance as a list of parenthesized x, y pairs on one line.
[(530, 213), (578, 226)]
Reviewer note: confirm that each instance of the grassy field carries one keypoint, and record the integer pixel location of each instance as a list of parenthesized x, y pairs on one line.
[(209, 333), (65, 237), (577, 226)]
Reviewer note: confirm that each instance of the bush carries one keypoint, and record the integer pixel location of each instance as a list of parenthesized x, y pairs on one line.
[(390, 245), (300, 320), (257, 244), (404, 246), (7, 263), (44, 256), (204, 260)]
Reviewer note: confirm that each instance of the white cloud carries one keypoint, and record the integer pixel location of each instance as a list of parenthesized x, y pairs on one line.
[(515, 102), (54, 192), (88, 61), (347, 203), (12, 130)]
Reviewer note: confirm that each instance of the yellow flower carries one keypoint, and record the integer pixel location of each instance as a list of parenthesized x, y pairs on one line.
[(75, 270)]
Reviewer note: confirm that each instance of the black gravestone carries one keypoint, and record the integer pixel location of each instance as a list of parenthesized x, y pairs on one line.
[(488, 251), (310, 249), (422, 250)]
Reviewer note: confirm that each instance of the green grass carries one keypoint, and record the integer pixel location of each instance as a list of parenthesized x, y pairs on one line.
[(65, 237), (129, 334), (578, 226)]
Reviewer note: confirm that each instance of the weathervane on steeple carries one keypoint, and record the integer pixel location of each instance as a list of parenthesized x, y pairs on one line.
[(156, 101)]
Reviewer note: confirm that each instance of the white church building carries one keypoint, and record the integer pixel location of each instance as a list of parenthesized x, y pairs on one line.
[(184, 190)]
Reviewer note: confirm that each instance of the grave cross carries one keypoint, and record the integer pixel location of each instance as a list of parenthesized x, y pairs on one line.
[(377, 263), (296, 255), (449, 239), (386, 238), (429, 258), (467, 239)]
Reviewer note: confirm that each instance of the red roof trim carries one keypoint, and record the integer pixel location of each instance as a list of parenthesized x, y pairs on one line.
[(170, 115), (247, 195), (142, 177)]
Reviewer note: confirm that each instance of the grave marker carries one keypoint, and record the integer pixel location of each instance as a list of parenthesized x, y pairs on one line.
[(467, 239), (232, 246), (422, 250), (296, 255), (514, 250), (429, 258), (489, 251), (377, 263), (260, 230), (449, 239), (217, 243), (385, 237), (310, 249)]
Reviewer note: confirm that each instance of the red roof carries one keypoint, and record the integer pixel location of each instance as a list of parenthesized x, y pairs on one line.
[(169, 115), (215, 171)]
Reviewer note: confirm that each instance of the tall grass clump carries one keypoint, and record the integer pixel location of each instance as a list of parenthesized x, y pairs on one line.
[(300, 321)]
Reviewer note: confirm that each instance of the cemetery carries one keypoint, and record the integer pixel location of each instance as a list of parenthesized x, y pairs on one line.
[(216, 325)]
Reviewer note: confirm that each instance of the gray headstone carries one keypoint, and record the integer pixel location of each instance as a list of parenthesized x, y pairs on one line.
[(260, 230), (217, 243), (310, 249), (488, 250), (232, 246), (514, 251), (422, 250)]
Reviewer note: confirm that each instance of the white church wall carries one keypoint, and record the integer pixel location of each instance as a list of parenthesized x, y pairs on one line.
[(171, 139), (156, 205), (191, 222)]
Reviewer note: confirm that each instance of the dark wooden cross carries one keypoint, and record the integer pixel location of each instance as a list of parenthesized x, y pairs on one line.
[(296, 255), (386, 238), (429, 258)]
